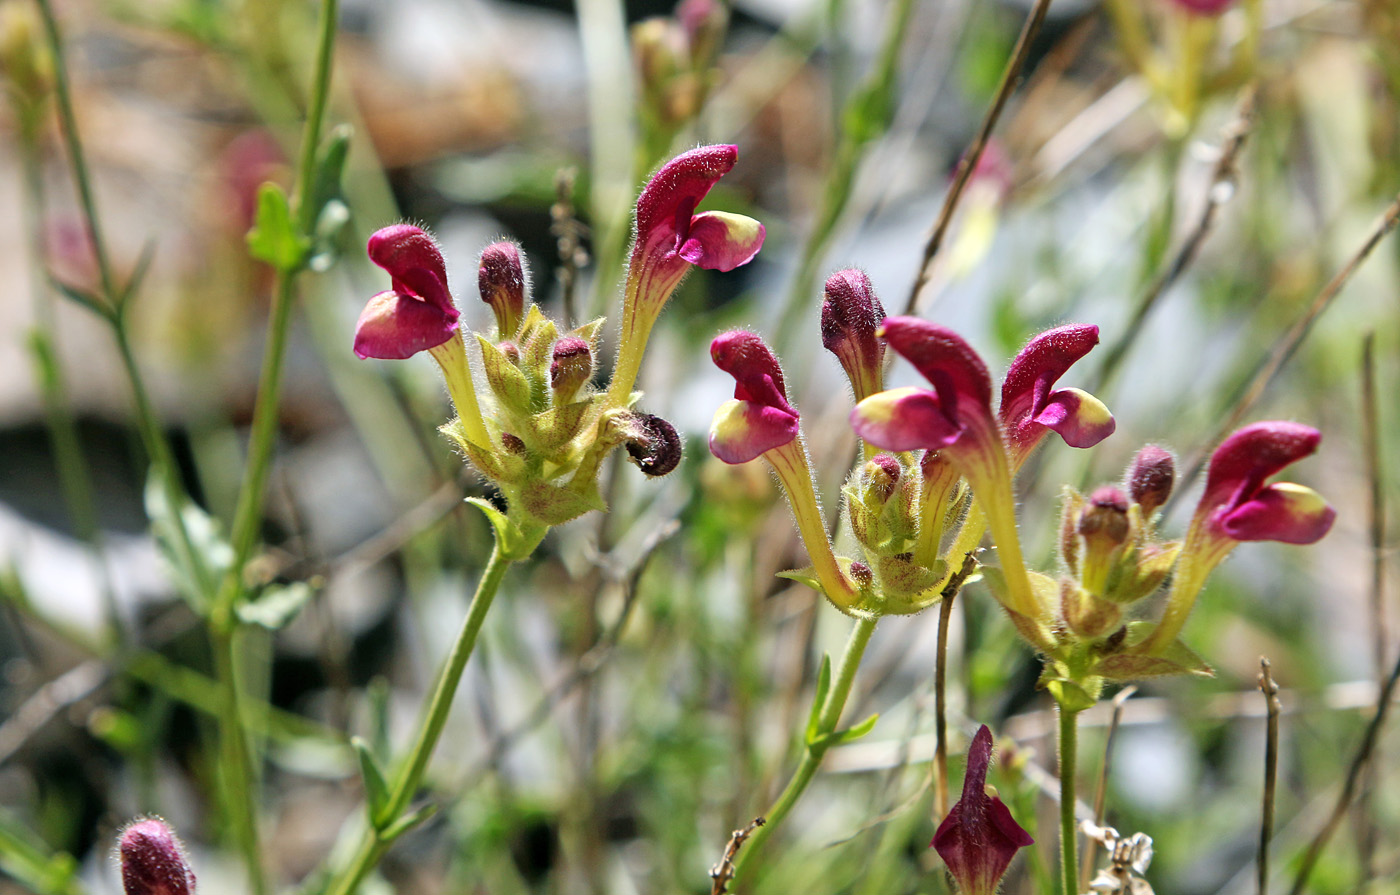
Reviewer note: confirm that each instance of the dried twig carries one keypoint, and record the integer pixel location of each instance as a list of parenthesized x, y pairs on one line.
[(723, 872), (968, 163), (48, 701), (568, 233), (1371, 447), (1358, 762), (1221, 189), (1101, 790), (940, 686), (1266, 825), (1288, 344)]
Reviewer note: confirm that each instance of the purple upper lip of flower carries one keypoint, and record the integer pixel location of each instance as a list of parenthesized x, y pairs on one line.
[(417, 313), (1238, 504), (666, 211), (760, 417), (979, 837), (757, 377), (1030, 404)]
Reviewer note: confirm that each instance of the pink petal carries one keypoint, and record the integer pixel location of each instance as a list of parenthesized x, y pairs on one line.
[(1252, 454), (1029, 381), (1283, 512), (743, 430), (904, 419), (413, 259), (946, 360), (719, 240), (675, 190), (1081, 419), (394, 326), (757, 376)]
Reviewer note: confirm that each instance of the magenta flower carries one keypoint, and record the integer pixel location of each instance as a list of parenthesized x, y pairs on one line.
[(851, 314), (979, 837), (1032, 406), (760, 417), (671, 237), (1238, 505), (417, 313), (153, 860), (761, 422)]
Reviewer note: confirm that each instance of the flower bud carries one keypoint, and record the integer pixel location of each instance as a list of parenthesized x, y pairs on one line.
[(153, 860), (881, 475), (851, 314), (511, 352), (861, 574), (1085, 614), (571, 368), (503, 281), (1104, 528), (1150, 478)]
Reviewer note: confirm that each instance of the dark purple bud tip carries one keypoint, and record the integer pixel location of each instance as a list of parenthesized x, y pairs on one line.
[(513, 444), (851, 315), (861, 574), (153, 860), (572, 366), (659, 451), (1105, 516), (1151, 477), (502, 279)]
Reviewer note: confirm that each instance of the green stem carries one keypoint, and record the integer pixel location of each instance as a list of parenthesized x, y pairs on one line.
[(1069, 828), (816, 750), (236, 767), (372, 846)]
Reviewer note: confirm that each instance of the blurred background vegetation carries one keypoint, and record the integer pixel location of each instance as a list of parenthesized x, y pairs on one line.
[(640, 685)]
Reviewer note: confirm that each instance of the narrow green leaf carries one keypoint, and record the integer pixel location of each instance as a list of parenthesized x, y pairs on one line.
[(138, 273), (851, 734), (819, 698), (82, 297), (376, 789), (276, 606), (408, 822), (507, 534)]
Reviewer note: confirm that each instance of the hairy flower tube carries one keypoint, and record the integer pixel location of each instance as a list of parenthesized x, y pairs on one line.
[(670, 237), (418, 314), (1031, 406), (851, 315), (759, 421), (153, 860), (979, 837), (955, 419), (1239, 505)]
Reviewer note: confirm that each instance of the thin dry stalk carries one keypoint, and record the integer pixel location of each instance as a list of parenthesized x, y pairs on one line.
[(1371, 446), (723, 872), (1266, 824), (973, 155), (1220, 190), (940, 687), (1358, 763), (1101, 789), (568, 232), (1289, 342)]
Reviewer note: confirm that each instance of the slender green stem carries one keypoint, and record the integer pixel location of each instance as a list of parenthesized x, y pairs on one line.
[(236, 767), (814, 751), (410, 774), (1069, 828)]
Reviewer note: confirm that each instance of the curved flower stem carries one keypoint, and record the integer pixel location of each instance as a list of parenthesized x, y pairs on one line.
[(794, 471), (814, 750), (1069, 828), (410, 774)]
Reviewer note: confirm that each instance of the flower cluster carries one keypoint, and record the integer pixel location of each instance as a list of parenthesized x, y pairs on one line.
[(542, 429), (943, 458)]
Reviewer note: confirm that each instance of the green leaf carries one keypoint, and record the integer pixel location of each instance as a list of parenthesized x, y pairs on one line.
[(507, 382), (376, 789), (1068, 695), (138, 273), (507, 532), (819, 698), (377, 693), (855, 732), (807, 576), (407, 822), (328, 213), (274, 237), (84, 298), (276, 606), (553, 505)]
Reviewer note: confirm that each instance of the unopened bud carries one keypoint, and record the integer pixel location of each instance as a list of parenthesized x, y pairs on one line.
[(881, 476), (511, 351), (1150, 478), (861, 574), (503, 281), (851, 313), (1104, 528), (571, 368), (153, 860), (659, 452)]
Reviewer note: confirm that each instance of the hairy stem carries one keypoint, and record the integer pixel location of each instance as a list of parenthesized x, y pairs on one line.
[(1069, 850)]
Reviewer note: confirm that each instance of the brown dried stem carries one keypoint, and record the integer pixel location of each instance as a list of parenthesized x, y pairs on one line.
[(723, 872), (1219, 191), (1091, 844), (970, 158), (1358, 763), (1266, 824)]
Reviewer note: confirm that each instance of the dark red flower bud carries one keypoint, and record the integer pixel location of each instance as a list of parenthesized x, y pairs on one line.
[(1151, 477), (153, 860), (572, 366), (502, 279)]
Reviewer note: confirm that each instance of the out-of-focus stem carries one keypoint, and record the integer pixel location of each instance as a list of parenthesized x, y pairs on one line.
[(1069, 832)]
